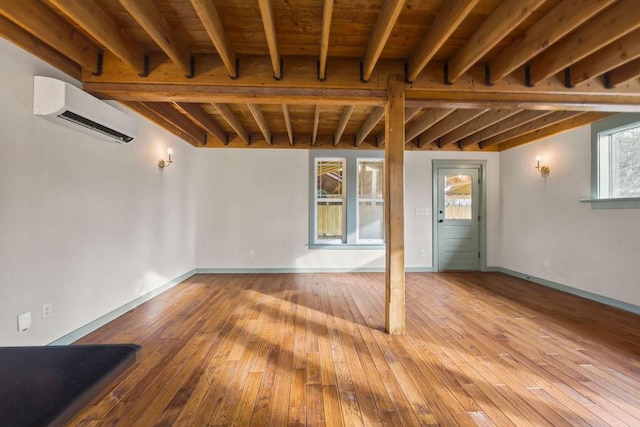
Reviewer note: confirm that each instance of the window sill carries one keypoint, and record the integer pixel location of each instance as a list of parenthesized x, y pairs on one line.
[(348, 246), (620, 203)]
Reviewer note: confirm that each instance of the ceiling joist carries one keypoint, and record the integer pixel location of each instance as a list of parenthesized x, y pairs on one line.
[(32, 44), (487, 119), (448, 124), (155, 24), (616, 21), (327, 11), (623, 74), (425, 121), (232, 119), (199, 116), (501, 22), (157, 117), (368, 125), (452, 14), (609, 57), (386, 20), (34, 17), (95, 21), (560, 21), (256, 112), (342, 124), (539, 123), (316, 122), (502, 126), (270, 32), (287, 122), (209, 17)]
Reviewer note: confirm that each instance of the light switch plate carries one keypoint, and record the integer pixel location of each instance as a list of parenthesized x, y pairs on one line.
[(24, 321)]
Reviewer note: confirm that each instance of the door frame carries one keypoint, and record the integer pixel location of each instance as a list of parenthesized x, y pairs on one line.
[(481, 166)]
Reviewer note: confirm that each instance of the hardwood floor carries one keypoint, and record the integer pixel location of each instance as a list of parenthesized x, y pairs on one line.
[(309, 349)]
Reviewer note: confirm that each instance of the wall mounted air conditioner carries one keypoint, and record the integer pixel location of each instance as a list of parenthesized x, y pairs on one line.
[(63, 103)]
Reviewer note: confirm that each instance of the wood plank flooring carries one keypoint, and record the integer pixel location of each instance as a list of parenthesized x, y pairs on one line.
[(309, 349)]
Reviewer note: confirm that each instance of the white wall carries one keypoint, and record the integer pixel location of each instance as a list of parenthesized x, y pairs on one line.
[(594, 250), (84, 224), (259, 200)]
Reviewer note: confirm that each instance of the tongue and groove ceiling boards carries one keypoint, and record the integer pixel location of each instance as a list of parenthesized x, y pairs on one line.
[(479, 74)]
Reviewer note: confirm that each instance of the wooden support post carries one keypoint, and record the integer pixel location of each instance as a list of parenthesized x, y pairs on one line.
[(394, 207)]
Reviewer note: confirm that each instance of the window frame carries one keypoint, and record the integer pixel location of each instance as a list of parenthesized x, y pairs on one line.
[(351, 198), (343, 199), (368, 199), (609, 125)]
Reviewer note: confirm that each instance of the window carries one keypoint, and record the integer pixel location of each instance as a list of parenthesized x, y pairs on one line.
[(616, 162), (370, 201), (347, 207), (330, 200)]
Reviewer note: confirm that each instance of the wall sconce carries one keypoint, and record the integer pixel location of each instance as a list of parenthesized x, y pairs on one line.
[(165, 163), (544, 170)]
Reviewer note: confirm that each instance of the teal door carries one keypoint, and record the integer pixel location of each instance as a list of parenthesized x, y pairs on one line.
[(457, 219)]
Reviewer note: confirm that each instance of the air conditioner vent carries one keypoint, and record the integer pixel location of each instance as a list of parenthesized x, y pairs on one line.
[(63, 103), (90, 124)]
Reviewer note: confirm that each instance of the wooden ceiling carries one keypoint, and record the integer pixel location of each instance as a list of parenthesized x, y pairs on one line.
[(480, 74)]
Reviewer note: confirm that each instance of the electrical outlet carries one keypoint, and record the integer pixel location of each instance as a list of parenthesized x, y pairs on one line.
[(234, 254), (251, 253), (46, 310), (422, 252), (546, 262)]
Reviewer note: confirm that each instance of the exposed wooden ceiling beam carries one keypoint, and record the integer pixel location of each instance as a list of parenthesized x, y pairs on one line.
[(179, 120), (557, 23), (450, 16), (563, 126), (156, 117), (316, 122), (608, 58), (95, 21), (32, 44), (502, 126), (539, 123), (287, 121), (386, 20), (368, 125), (489, 118), (154, 23), (611, 24), (624, 74), (36, 18), (327, 11), (198, 115), (425, 121), (342, 124), (232, 119), (209, 17), (256, 112), (409, 113), (448, 124), (270, 32), (501, 22)]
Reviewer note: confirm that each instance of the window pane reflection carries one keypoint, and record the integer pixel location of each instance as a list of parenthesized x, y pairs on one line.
[(457, 196)]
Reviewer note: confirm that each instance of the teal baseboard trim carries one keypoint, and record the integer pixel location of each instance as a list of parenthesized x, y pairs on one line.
[(493, 270), (418, 270), (292, 270), (101, 321), (574, 291), (306, 270)]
